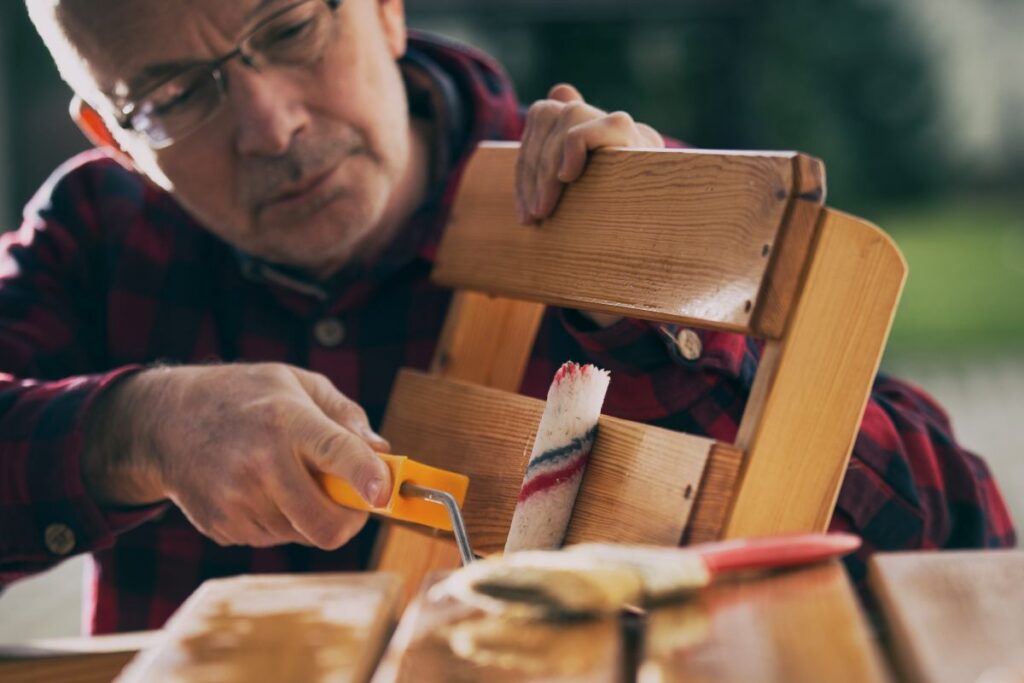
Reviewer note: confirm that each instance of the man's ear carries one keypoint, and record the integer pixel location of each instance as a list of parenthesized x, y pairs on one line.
[(95, 129), (392, 15)]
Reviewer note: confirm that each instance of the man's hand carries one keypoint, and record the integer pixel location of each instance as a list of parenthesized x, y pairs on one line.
[(559, 133), (234, 446)]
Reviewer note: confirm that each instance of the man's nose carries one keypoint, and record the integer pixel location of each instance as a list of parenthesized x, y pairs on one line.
[(269, 110)]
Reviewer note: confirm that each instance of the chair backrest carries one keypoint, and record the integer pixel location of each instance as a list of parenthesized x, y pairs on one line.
[(736, 241)]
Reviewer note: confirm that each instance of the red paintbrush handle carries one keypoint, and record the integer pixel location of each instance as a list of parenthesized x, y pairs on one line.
[(774, 551)]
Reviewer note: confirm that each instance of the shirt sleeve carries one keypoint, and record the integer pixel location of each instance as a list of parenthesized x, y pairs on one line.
[(50, 376), (910, 485)]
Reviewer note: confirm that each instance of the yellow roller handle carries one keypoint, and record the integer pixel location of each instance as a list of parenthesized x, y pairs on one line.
[(399, 507)]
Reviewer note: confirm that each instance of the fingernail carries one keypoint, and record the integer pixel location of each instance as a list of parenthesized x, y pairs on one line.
[(371, 435), (372, 491)]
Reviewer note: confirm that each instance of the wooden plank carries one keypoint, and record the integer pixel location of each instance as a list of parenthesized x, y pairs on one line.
[(275, 628), (714, 495), (442, 641), (483, 340), (793, 627), (635, 489), (67, 668), (670, 235), (811, 388), (486, 340), (75, 660), (953, 616), (789, 255)]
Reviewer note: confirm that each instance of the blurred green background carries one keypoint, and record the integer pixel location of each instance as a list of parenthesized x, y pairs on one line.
[(916, 107)]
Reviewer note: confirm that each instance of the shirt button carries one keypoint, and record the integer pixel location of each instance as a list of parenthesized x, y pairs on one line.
[(60, 539), (329, 332), (688, 344)]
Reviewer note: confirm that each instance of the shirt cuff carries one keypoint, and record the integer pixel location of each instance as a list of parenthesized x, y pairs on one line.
[(47, 513)]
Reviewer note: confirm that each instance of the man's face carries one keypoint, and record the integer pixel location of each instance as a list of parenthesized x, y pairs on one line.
[(299, 164)]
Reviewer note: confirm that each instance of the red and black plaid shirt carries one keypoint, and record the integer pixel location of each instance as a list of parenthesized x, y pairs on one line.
[(108, 274)]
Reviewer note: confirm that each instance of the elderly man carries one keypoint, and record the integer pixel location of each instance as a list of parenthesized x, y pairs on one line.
[(215, 303)]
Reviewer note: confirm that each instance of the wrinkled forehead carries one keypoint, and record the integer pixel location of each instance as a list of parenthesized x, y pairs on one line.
[(123, 45)]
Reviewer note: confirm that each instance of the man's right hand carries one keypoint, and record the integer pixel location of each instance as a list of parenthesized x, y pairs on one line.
[(234, 447)]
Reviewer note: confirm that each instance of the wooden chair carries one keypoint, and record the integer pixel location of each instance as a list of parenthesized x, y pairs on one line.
[(730, 241), (736, 241)]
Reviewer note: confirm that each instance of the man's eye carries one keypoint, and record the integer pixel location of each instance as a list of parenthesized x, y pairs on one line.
[(174, 99), (287, 34)]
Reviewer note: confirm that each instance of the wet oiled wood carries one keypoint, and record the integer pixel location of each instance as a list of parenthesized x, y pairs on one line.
[(674, 235), (442, 641), (75, 660), (812, 386), (953, 616), (714, 495), (802, 626), (639, 485), (789, 254), (308, 627)]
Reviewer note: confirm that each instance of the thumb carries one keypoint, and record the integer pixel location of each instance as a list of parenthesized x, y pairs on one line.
[(563, 92), (341, 409), (335, 450)]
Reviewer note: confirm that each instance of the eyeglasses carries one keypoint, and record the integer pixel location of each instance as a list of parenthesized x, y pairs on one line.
[(296, 35)]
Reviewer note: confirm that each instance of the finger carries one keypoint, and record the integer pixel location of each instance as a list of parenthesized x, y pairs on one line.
[(249, 532), (272, 521), (614, 130), (549, 186), (341, 408), (564, 92), (321, 521), (334, 450), (652, 138), (540, 119)]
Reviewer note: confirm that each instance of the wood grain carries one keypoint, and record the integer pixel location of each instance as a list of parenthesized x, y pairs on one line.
[(789, 255), (638, 487), (487, 340), (811, 388), (792, 627), (275, 628), (714, 495), (670, 235), (953, 616), (76, 660), (442, 641)]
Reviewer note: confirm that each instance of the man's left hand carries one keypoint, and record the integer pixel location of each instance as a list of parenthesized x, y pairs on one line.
[(559, 133)]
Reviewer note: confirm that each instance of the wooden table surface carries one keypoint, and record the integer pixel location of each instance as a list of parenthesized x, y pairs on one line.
[(953, 616), (802, 625), (949, 617)]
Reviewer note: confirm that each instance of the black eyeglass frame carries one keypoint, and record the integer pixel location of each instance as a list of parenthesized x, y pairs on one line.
[(126, 112)]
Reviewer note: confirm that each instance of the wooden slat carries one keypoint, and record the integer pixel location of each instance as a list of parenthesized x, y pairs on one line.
[(672, 235), (795, 627), (953, 616), (714, 495), (636, 484), (483, 340), (810, 390), (275, 628), (72, 668), (90, 659), (441, 641), (789, 255)]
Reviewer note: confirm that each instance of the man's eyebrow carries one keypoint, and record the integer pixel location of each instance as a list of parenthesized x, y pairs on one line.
[(260, 6), (155, 73)]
